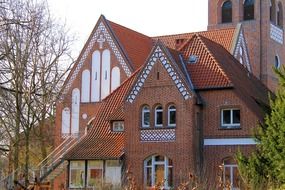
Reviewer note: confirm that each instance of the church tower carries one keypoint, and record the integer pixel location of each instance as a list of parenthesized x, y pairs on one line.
[(262, 22)]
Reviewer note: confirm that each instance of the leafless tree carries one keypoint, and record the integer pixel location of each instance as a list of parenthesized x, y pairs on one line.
[(34, 60)]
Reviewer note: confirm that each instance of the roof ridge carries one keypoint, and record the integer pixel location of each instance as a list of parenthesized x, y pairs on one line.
[(211, 30), (129, 29), (200, 39)]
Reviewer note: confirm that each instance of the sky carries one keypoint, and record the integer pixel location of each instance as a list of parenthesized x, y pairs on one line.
[(150, 17)]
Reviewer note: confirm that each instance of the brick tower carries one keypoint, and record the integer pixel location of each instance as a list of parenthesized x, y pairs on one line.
[(262, 22)]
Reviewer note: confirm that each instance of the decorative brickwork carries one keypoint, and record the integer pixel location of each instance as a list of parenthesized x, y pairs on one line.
[(276, 34), (241, 43), (158, 55), (101, 35), (158, 135)]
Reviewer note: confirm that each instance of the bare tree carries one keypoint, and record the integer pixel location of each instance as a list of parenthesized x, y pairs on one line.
[(34, 60)]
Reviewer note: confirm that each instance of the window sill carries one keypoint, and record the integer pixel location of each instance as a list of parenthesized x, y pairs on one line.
[(230, 128), (158, 128)]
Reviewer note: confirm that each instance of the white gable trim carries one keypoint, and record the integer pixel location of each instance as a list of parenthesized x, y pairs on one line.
[(101, 30), (241, 43), (229, 141), (158, 55)]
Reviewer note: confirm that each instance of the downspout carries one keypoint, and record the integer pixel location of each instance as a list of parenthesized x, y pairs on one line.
[(260, 46)]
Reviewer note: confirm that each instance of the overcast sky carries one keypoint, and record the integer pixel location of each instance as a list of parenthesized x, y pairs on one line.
[(150, 17)]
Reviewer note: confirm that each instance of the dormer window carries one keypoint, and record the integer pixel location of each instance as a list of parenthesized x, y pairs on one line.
[(227, 12), (248, 10), (118, 126)]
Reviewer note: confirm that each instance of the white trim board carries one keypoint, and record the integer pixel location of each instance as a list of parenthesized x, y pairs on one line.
[(230, 141)]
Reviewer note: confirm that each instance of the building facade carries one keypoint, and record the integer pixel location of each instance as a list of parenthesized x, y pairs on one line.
[(161, 108)]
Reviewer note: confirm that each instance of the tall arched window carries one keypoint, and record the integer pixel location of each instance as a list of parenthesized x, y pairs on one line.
[(171, 116), (145, 117), (231, 174), (158, 116), (158, 169), (248, 10), (279, 13), (227, 12)]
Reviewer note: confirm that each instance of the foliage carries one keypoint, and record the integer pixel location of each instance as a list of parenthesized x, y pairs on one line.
[(265, 168)]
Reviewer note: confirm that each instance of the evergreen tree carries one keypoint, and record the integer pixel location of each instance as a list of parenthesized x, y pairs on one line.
[(265, 168)]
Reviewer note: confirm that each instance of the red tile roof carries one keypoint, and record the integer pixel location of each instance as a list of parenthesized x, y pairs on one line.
[(101, 142), (224, 37), (246, 85), (206, 72), (137, 46)]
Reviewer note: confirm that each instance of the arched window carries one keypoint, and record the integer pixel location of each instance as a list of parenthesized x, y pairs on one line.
[(231, 174), (158, 116), (158, 170), (248, 10), (279, 13), (277, 62), (227, 12), (171, 116), (145, 117)]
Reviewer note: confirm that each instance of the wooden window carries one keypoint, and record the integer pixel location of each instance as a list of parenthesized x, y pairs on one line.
[(248, 10), (171, 116), (95, 174), (77, 174), (158, 116), (230, 118), (158, 169), (231, 175), (227, 12), (145, 117), (118, 126)]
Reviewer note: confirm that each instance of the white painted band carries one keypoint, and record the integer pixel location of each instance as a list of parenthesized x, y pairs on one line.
[(230, 141)]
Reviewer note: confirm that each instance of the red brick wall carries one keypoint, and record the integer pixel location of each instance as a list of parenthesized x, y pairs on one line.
[(182, 153), (215, 100)]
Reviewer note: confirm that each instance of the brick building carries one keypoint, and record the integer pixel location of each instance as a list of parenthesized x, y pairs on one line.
[(163, 107)]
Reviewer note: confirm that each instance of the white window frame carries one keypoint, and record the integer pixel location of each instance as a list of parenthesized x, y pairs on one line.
[(152, 166), (231, 167), (143, 116), (118, 126), (230, 125), (155, 116), (94, 167), (77, 168), (168, 115)]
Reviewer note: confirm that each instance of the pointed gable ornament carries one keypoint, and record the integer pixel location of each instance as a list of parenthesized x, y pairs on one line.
[(241, 49), (101, 35), (158, 54)]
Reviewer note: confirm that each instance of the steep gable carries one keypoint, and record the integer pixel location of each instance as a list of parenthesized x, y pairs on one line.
[(100, 34), (160, 55)]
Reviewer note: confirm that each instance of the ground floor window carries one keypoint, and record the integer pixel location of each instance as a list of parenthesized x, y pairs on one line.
[(77, 174), (158, 170), (231, 174), (95, 173)]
